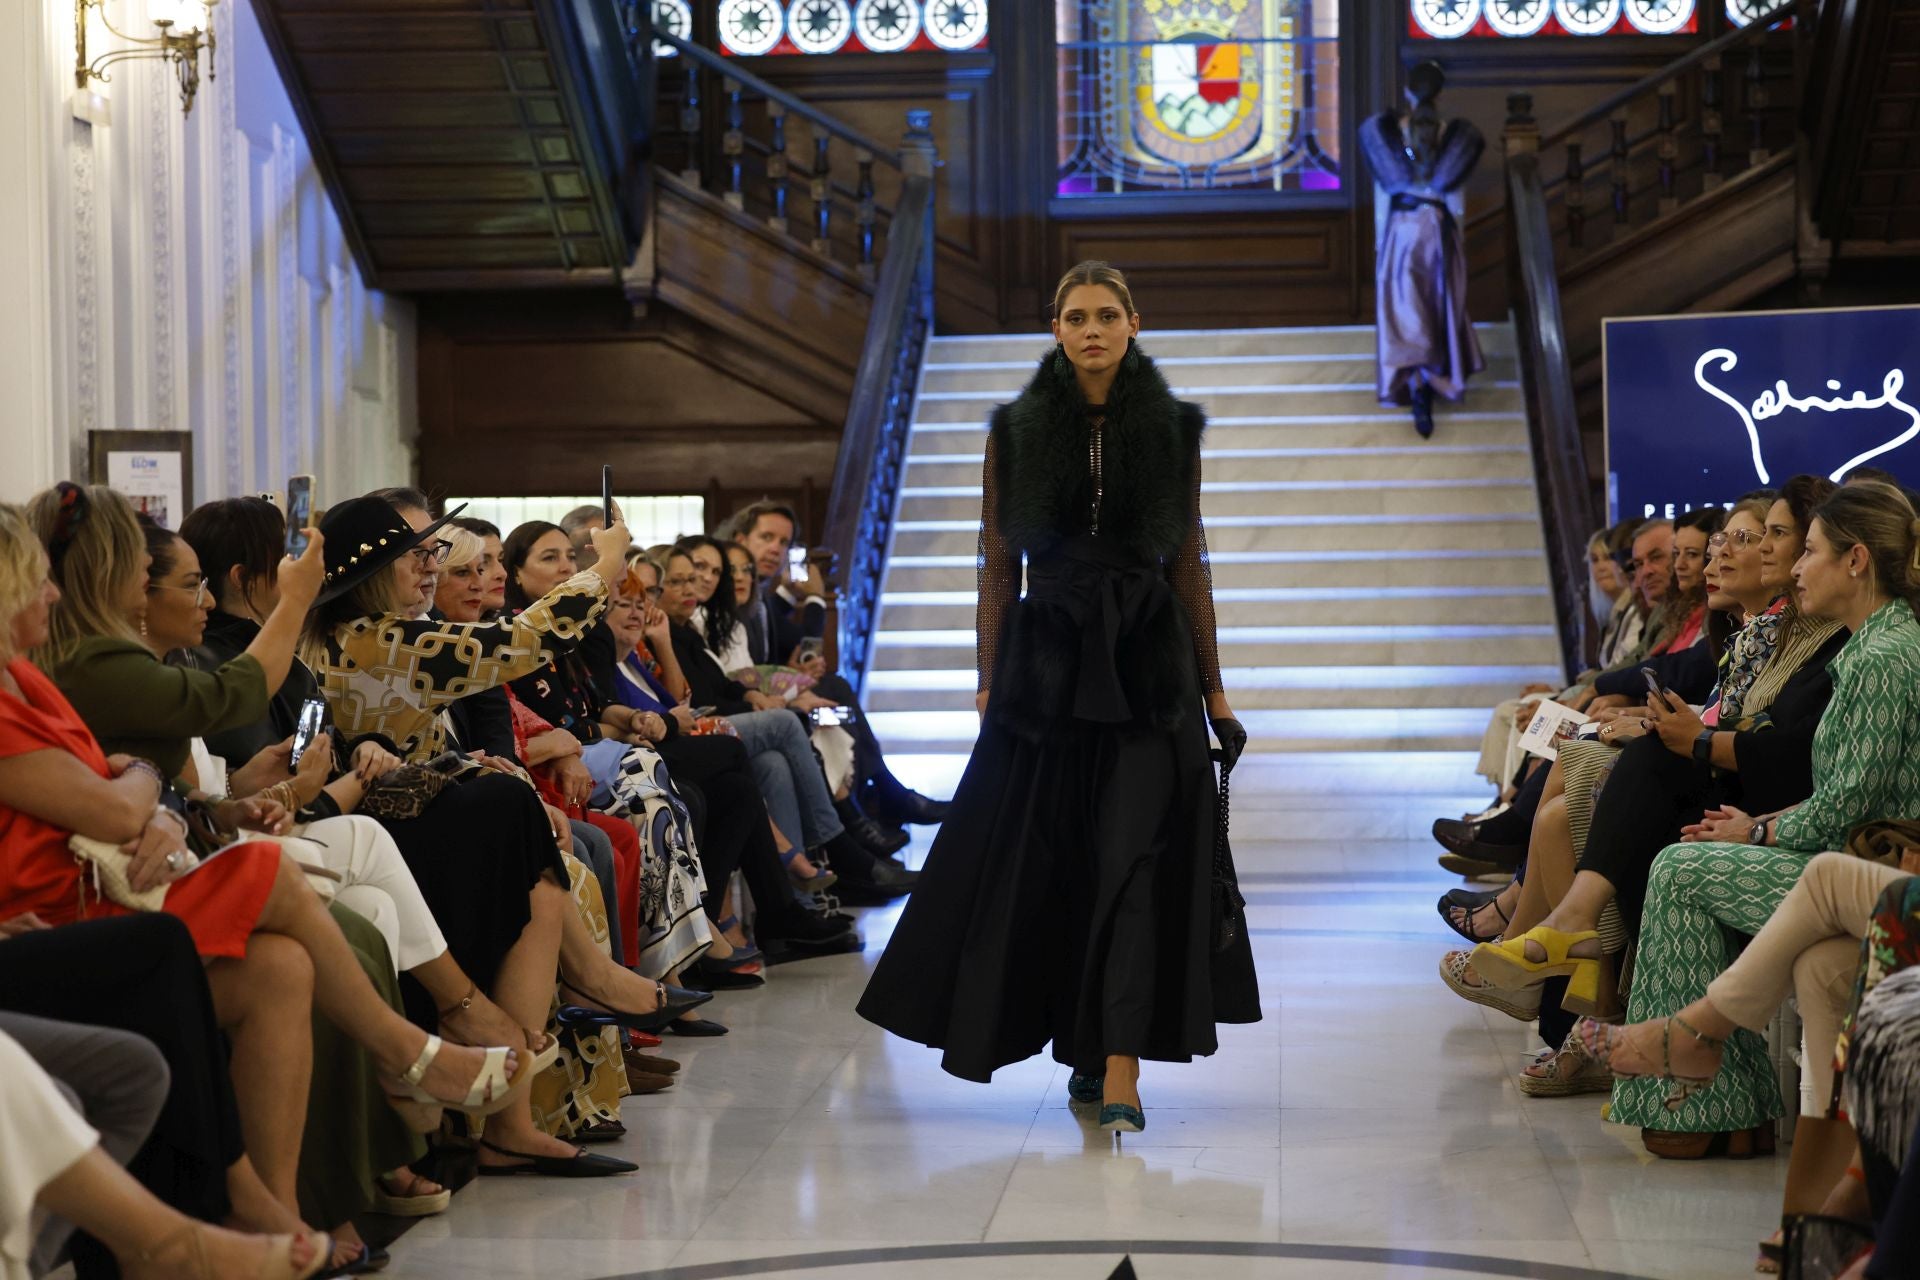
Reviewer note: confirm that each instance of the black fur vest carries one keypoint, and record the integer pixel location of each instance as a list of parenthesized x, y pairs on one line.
[(1043, 480)]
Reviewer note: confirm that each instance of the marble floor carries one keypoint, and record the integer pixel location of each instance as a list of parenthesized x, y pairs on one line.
[(1367, 1127)]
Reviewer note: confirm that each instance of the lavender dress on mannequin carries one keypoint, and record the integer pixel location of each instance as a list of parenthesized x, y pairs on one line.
[(1426, 340)]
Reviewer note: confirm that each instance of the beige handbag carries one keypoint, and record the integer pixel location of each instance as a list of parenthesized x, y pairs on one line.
[(109, 865)]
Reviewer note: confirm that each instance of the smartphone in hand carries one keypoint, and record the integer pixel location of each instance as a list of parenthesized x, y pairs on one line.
[(606, 494), (1654, 688), (313, 716), (796, 564), (299, 514)]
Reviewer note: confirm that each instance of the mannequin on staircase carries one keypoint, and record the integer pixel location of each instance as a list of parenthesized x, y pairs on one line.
[(1427, 343)]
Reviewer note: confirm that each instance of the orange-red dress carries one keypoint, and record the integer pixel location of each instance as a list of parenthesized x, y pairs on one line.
[(219, 903)]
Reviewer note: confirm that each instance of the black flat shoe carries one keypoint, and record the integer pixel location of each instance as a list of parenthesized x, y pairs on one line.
[(782, 952), (1462, 839), (601, 1131), (695, 1027), (904, 806), (719, 975), (678, 1001), (581, 1164)]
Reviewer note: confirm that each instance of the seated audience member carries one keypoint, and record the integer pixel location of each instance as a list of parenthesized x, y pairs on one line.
[(489, 569), (794, 613), (58, 1172), (1735, 869), (864, 877)]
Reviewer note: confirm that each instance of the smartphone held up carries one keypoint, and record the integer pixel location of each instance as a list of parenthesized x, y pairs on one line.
[(299, 514)]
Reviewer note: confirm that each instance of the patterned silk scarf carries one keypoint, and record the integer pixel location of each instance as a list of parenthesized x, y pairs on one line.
[(1747, 655)]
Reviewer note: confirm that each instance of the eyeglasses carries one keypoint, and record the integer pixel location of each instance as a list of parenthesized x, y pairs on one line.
[(202, 593), (1740, 538), (434, 553)]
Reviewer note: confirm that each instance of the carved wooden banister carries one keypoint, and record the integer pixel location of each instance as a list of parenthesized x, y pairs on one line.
[(1546, 377), (873, 448)]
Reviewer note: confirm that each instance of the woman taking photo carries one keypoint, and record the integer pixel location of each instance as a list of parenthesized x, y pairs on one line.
[(1069, 895)]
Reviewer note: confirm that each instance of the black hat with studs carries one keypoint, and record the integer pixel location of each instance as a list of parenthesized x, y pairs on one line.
[(364, 536)]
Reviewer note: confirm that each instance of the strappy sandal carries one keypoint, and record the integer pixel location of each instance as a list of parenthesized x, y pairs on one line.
[(822, 878), (1600, 1039), (1569, 1071), (543, 1047), (491, 1091), (403, 1204), (1522, 1006), (277, 1265), (1459, 900), (1506, 964)]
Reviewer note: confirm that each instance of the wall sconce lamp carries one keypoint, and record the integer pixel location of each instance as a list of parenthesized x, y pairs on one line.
[(176, 43)]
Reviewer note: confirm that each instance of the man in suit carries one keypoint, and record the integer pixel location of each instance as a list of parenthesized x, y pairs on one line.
[(794, 613)]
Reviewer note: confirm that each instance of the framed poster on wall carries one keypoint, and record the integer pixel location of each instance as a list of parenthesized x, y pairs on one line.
[(1702, 408), (154, 469)]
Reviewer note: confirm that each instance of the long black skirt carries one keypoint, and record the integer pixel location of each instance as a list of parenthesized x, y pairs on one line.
[(1068, 895), (477, 851)]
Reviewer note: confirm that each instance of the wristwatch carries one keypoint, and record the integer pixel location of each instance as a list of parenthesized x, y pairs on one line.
[(1758, 835), (1703, 746)]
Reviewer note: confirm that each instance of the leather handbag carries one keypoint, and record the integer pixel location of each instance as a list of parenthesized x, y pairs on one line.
[(1229, 909), (404, 794), (1884, 840)]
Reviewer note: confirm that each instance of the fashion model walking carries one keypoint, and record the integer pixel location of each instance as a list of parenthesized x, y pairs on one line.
[(1069, 894)]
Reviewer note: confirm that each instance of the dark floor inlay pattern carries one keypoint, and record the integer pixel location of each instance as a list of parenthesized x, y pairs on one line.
[(1339, 1253)]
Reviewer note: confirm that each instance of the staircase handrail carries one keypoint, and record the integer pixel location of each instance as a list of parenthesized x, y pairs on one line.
[(707, 58), (873, 447), (1546, 377), (1603, 110)]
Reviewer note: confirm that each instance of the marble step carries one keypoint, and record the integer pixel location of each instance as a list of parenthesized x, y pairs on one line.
[(1374, 533), (1441, 645), (1460, 463), (1311, 398), (1007, 377), (1335, 729), (1229, 498), (1375, 428), (1277, 606), (1495, 341), (1276, 688), (1285, 570)]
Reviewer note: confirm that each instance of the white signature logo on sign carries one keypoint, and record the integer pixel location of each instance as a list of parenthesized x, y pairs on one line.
[(1776, 400)]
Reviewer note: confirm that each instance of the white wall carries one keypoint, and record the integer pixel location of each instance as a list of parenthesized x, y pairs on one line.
[(183, 273)]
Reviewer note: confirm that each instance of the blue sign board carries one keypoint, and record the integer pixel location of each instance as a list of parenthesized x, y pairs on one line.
[(1702, 408)]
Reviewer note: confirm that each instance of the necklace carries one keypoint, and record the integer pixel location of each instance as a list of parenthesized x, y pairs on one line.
[(1094, 439)]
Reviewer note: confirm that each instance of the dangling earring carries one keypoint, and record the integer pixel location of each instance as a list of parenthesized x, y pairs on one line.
[(143, 628), (1061, 365)]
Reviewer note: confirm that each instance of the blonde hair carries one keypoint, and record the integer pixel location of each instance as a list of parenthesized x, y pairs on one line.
[(1093, 272), (372, 598), (464, 547), (103, 553), (23, 569)]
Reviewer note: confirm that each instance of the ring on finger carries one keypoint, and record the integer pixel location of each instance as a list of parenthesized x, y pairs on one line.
[(174, 860)]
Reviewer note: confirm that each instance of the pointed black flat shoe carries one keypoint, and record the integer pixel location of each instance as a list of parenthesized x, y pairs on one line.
[(581, 1164), (695, 1027), (677, 1001)]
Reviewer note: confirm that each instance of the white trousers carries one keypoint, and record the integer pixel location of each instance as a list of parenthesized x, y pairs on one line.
[(375, 881)]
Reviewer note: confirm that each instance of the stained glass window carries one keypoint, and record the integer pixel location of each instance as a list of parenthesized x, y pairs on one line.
[(1170, 96), (752, 28), (1517, 19)]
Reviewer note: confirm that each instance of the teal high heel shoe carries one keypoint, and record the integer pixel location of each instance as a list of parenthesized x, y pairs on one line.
[(1118, 1117), (1087, 1089)]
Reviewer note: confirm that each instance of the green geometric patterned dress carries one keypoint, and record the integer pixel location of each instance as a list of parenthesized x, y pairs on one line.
[(1705, 900)]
